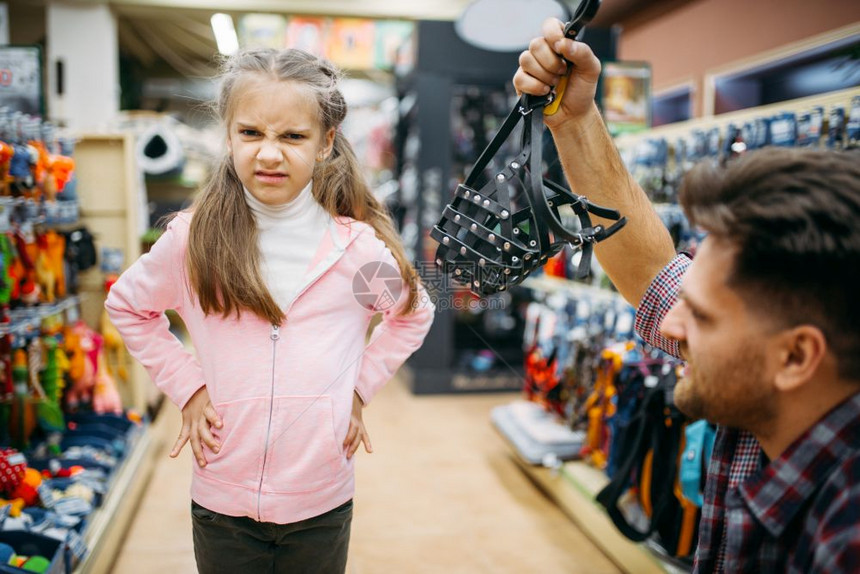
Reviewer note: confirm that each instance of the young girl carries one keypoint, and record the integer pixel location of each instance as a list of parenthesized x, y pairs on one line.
[(271, 271)]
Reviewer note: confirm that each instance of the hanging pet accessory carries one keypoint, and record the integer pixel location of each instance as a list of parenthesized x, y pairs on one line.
[(492, 238)]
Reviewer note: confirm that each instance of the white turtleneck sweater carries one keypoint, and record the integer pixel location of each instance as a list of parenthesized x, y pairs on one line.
[(289, 236)]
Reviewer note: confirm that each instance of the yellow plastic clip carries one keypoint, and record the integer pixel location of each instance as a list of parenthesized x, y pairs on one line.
[(583, 14), (552, 107)]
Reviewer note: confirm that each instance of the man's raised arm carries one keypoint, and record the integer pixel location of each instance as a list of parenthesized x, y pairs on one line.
[(637, 253)]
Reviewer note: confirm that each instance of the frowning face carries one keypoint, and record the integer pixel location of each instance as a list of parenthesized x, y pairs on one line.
[(275, 138)]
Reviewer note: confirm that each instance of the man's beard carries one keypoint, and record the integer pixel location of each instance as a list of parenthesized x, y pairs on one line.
[(687, 398), (734, 394)]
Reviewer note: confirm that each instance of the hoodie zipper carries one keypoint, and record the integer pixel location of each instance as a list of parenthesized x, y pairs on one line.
[(275, 335)]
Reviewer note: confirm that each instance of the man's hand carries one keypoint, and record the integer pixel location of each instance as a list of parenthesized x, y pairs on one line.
[(542, 66), (198, 418), (357, 434)]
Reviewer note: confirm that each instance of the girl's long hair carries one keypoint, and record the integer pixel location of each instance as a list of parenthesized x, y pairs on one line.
[(223, 256)]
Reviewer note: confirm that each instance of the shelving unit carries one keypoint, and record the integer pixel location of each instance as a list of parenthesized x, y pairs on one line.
[(165, 196), (108, 524), (112, 208), (682, 129), (446, 71), (550, 284), (573, 487), (109, 187), (786, 66)]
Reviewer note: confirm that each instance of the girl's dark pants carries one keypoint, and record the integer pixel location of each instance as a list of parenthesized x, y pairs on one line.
[(230, 544)]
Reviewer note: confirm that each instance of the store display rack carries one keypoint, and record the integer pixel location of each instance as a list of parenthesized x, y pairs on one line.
[(106, 529), (108, 186), (549, 284), (112, 201), (683, 129), (574, 485), (450, 80)]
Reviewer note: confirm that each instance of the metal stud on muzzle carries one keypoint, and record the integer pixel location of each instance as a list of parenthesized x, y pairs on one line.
[(493, 236)]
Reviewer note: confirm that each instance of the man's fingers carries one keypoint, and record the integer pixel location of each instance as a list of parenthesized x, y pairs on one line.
[(545, 56), (548, 72), (586, 65), (526, 84), (552, 29)]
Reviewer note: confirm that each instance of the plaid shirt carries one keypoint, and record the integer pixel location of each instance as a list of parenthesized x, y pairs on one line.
[(800, 512)]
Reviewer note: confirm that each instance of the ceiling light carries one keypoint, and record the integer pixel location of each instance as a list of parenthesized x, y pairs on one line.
[(506, 25), (225, 33)]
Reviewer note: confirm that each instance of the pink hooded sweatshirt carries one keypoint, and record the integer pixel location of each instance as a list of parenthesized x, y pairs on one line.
[(284, 392)]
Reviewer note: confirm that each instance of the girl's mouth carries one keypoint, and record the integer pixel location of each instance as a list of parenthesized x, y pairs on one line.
[(270, 176)]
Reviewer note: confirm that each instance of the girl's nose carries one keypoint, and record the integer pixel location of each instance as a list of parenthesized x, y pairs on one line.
[(269, 152)]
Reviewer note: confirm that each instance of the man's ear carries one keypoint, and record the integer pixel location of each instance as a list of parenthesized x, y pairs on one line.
[(801, 352)]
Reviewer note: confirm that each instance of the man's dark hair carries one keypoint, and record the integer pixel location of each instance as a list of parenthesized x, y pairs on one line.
[(794, 215)]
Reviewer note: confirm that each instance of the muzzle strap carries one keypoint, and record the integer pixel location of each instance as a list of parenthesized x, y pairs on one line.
[(492, 237)]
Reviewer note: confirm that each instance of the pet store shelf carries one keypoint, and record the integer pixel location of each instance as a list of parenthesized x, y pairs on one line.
[(574, 486), (110, 521), (721, 121), (549, 284), (114, 210)]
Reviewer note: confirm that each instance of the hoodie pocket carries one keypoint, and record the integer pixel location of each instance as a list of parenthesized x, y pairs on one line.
[(240, 459), (304, 454)]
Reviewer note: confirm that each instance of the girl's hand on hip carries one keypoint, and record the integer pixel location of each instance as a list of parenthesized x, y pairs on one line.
[(357, 433), (198, 418)]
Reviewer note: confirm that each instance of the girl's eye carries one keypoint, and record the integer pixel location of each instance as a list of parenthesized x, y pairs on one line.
[(294, 136), (249, 133)]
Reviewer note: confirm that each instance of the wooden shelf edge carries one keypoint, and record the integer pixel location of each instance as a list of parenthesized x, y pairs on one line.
[(106, 531), (577, 502), (738, 117), (574, 488)]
